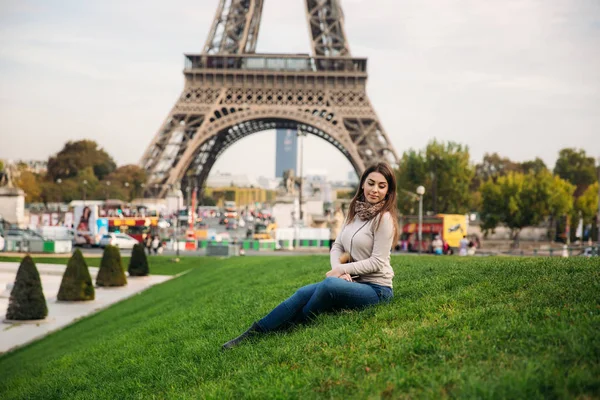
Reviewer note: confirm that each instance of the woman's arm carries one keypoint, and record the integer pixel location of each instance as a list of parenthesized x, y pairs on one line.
[(381, 250)]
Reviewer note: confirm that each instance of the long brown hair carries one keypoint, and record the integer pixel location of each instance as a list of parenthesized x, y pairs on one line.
[(389, 204)]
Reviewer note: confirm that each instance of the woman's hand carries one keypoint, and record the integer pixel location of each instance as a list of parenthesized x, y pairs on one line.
[(347, 277), (336, 272)]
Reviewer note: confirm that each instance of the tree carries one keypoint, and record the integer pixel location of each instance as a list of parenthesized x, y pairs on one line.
[(27, 301), (445, 172), (411, 173), (128, 179), (30, 184), (515, 199), (451, 174), (587, 204), (576, 167), (76, 156), (492, 167), (560, 201), (111, 271), (87, 181), (138, 263), (76, 284), (536, 166)]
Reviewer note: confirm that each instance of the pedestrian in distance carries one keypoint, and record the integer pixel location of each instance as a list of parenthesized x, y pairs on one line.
[(463, 246), (155, 244), (361, 274), (438, 246), (148, 244)]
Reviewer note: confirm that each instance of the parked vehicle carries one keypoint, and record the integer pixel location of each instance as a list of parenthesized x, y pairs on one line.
[(264, 231), (118, 239)]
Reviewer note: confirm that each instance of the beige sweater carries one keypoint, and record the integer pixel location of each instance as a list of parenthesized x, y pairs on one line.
[(371, 249)]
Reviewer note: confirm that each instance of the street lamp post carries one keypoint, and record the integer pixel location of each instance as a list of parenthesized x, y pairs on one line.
[(107, 186), (420, 192)]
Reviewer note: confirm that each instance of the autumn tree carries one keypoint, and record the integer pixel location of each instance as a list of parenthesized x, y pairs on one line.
[(30, 184)]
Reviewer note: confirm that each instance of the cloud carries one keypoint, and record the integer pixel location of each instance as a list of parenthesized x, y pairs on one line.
[(519, 77)]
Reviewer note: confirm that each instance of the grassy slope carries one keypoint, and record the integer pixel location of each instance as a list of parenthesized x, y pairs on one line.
[(467, 327)]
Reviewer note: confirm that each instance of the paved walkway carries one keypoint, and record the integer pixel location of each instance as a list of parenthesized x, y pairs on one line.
[(60, 314)]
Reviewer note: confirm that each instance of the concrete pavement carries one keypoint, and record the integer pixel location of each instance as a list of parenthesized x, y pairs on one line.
[(60, 314)]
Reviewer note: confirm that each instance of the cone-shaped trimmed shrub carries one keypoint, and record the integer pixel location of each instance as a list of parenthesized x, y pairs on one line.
[(76, 283), (138, 263), (111, 271), (27, 299)]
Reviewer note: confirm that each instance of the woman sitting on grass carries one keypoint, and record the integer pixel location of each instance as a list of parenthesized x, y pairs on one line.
[(361, 274)]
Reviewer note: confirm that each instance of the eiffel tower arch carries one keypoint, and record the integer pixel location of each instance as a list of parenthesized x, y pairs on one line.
[(231, 92)]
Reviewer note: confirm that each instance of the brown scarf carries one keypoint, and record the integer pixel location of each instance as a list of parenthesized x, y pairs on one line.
[(366, 211)]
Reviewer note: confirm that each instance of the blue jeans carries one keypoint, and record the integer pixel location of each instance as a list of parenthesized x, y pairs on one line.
[(332, 294)]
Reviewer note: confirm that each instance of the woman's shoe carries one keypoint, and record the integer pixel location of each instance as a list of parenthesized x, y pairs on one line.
[(252, 331)]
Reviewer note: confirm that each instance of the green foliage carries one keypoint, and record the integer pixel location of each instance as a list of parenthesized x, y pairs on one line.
[(519, 200), (536, 166), (492, 167), (126, 182), (587, 204), (138, 263), (1, 165), (76, 284), (27, 301), (445, 172), (76, 156), (576, 167), (515, 328), (111, 271), (560, 201)]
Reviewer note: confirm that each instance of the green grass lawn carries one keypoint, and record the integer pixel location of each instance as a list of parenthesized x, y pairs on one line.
[(159, 265), (458, 327)]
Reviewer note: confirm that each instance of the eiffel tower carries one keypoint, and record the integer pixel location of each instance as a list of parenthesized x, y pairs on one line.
[(231, 92)]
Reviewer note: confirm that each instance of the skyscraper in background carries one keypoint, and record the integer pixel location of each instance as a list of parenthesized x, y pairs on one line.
[(287, 151)]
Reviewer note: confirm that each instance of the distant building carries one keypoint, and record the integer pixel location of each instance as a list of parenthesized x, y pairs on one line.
[(286, 154), (268, 183), (226, 179)]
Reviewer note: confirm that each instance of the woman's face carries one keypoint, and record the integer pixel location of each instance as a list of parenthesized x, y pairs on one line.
[(375, 187)]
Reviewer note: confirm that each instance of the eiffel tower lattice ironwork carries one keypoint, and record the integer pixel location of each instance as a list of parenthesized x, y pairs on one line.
[(231, 92)]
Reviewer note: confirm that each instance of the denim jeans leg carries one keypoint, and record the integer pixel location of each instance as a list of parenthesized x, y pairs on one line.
[(289, 310), (337, 294)]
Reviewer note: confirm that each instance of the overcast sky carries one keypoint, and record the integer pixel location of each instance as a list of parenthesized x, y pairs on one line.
[(517, 77)]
